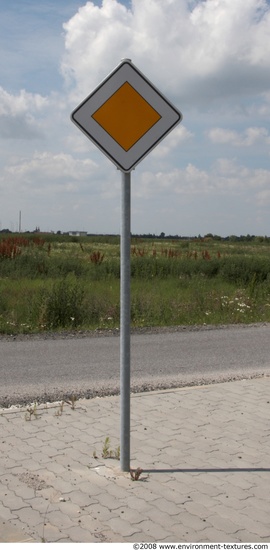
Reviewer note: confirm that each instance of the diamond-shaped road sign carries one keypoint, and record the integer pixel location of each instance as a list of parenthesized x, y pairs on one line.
[(126, 116)]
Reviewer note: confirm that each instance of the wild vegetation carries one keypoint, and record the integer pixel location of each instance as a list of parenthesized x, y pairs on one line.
[(55, 282)]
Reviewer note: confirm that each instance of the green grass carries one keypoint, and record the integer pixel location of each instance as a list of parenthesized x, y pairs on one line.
[(71, 283)]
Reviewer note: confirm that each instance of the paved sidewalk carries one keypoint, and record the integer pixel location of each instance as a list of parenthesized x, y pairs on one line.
[(204, 452)]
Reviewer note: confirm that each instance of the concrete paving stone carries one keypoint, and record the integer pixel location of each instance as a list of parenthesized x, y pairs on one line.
[(245, 536), (48, 533), (109, 501), (138, 537), (184, 488), (9, 463), (197, 509), (258, 515), (210, 534), (131, 516), (258, 504), (106, 535), (97, 511), (229, 513), (81, 499), (81, 446), (166, 506), (243, 481), (149, 527), (223, 524), (59, 445), (13, 502), (10, 534), (170, 494), (77, 534), (148, 496), (49, 493), (39, 479), (65, 461), (98, 480), (238, 493), (23, 491), (53, 430), (116, 492), (94, 525), (195, 439), (261, 491), (32, 441), (39, 503), (147, 459), (253, 526), (122, 527), (180, 533), (190, 520), (139, 504), (5, 513), (164, 519), (229, 502), (70, 508), (200, 498), (88, 488), (208, 488), (6, 479), (45, 436), (59, 519), (40, 456), (54, 467), (29, 516)]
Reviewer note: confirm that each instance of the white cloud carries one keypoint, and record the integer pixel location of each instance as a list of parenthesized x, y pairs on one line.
[(21, 103), (175, 139), (225, 177), (247, 138), (47, 172), (211, 58), (218, 47), (17, 115)]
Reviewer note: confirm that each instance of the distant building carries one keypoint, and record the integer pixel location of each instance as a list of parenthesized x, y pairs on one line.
[(78, 233)]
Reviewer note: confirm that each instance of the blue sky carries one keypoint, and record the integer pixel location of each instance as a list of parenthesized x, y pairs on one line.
[(211, 58)]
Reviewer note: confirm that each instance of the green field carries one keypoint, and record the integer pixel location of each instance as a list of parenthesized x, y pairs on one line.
[(54, 282)]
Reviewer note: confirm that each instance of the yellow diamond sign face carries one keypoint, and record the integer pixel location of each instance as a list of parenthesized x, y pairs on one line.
[(126, 116)]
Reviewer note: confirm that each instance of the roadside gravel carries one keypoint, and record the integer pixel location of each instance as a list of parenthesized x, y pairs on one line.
[(101, 333)]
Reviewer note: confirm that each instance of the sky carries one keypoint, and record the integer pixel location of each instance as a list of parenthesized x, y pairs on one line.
[(210, 58)]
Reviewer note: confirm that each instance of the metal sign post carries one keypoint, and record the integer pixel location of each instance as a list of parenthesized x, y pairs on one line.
[(125, 325), (126, 116)]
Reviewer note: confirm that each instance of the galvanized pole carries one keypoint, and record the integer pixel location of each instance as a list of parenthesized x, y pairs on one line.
[(125, 325)]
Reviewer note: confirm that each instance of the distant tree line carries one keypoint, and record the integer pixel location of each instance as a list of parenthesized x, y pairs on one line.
[(162, 235)]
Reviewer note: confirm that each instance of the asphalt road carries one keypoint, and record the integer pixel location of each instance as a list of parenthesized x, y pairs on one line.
[(49, 368)]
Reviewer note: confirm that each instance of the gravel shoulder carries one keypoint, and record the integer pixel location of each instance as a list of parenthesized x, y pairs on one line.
[(101, 333)]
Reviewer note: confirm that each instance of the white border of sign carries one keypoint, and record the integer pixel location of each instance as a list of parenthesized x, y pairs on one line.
[(82, 116)]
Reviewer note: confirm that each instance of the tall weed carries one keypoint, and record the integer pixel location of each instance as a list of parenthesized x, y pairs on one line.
[(62, 305)]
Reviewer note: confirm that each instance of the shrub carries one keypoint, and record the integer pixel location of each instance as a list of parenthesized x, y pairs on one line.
[(62, 305), (244, 270)]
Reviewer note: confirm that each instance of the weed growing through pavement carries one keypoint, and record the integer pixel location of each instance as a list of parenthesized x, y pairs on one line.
[(72, 401), (135, 474), (31, 411), (44, 523), (60, 410), (107, 451)]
